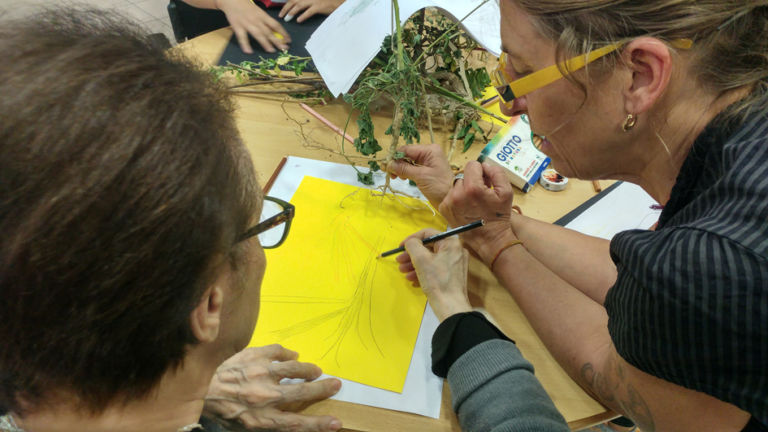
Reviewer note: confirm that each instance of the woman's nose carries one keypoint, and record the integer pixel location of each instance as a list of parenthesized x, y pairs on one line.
[(515, 107)]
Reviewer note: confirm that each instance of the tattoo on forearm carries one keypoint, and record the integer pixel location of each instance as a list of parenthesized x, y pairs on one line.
[(602, 387), (612, 389)]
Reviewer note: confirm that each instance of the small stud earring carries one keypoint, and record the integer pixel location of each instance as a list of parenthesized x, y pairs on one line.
[(629, 123)]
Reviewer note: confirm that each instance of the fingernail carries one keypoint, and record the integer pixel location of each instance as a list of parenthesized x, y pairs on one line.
[(288, 18), (335, 425)]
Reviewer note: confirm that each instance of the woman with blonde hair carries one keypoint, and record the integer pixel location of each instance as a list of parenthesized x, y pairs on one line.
[(668, 327)]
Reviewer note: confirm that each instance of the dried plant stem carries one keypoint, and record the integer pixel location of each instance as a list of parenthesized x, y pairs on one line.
[(396, 119), (459, 125), (309, 142), (306, 81), (429, 112), (275, 91)]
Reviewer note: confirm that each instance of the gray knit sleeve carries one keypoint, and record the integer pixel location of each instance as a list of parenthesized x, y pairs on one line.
[(493, 388)]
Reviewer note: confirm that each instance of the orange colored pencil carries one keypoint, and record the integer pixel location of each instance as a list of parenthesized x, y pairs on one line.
[(327, 122)]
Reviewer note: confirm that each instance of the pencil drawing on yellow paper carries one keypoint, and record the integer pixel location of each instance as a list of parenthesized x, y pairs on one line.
[(326, 295)]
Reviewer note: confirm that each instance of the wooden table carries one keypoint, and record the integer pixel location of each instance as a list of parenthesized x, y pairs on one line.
[(269, 133)]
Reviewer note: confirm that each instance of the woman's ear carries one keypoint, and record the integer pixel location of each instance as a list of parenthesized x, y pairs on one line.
[(650, 62), (205, 319)]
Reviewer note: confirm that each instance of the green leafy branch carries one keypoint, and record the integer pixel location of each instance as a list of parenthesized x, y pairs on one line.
[(394, 75)]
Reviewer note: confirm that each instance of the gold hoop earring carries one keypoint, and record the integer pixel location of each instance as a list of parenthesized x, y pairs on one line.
[(629, 123)]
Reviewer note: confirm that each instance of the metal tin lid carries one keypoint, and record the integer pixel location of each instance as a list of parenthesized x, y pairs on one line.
[(553, 180)]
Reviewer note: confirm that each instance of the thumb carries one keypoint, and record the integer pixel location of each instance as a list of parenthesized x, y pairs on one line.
[(401, 169), (417, 251), (497, 177)]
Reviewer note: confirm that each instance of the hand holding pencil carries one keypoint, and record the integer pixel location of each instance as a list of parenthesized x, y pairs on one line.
[(440, 268), (439, 236)]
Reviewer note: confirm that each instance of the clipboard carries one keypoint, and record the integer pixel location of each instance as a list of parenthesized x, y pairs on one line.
[(622, 206), (565, 220), (300, 34)]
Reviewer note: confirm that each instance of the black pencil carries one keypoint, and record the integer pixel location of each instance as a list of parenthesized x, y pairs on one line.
[(436, 237), (488, 101)]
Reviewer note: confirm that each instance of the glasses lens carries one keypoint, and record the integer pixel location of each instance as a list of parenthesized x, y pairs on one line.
[(499, 82), (272, 236), (500, 79)]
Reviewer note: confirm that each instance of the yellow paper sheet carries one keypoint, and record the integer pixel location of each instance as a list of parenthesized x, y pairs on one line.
[(326, 295)]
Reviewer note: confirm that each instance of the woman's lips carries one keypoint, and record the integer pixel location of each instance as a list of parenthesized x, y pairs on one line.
[(542, 143)]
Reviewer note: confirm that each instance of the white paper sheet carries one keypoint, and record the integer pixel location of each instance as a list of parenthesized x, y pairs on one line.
[(351, 36), (626, 207), (422, 392)]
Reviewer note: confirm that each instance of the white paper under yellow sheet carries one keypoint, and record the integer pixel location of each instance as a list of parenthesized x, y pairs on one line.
[(326, 295)]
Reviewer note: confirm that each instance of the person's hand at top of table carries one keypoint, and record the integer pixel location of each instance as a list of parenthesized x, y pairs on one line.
[(440, 268), (428, 167), (246, 391), (308, 8), (247, 18), (484, 193)]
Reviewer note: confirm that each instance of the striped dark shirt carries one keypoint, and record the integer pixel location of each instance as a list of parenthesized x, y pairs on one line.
[(690, 304)]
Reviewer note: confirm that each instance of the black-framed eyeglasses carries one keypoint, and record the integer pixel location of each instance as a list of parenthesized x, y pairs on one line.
[(274, 223)]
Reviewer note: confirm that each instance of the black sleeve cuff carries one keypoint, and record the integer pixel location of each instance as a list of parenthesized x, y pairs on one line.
[(754, 425), (458, 334), (209, 425)]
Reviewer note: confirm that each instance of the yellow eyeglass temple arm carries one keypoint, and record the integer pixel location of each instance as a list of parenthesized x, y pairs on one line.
[(548, 75)]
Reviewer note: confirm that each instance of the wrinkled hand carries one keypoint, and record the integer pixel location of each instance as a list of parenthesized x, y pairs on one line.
[(247, 18), (441, 270), (428, 167), (484, 193), (310, 8), (246, 392)]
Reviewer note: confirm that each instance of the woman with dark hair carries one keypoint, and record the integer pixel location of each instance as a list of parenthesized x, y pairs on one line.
[(130, 259), (668, 327)]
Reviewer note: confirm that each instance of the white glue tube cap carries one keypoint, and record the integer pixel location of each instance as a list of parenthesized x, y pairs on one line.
[(288, 18)]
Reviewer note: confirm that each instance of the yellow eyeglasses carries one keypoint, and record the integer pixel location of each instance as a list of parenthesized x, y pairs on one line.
[(510, 89)]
